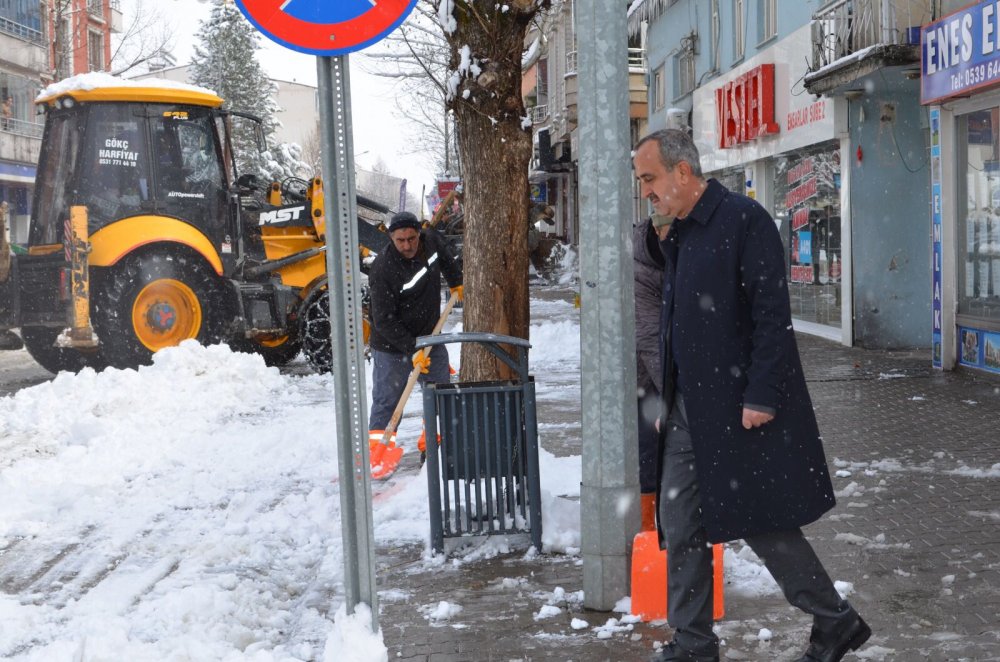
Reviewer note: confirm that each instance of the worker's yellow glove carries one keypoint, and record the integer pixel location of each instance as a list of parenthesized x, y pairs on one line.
[(421, 361), (459, 291)]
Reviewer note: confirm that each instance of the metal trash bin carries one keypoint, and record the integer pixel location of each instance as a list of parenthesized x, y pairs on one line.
[(482, 476)]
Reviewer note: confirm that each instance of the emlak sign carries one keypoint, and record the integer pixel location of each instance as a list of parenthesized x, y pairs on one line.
[(961, 52), (745, 107)]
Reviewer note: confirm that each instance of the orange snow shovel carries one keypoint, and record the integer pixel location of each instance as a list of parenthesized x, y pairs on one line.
[(385, 454)]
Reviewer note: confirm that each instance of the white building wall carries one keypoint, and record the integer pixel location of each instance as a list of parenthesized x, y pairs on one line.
[(298, 102)]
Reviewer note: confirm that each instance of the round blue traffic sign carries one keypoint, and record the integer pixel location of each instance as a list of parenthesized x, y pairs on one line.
[(326, 27)]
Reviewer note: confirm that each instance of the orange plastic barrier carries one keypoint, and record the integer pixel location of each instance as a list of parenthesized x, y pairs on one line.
[(649, 578)]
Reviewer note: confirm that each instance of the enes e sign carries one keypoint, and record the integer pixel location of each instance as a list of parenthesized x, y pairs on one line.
[(960, 52)]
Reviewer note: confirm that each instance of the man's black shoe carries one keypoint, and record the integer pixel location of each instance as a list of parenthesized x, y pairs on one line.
[(674, 653), (832, 645)]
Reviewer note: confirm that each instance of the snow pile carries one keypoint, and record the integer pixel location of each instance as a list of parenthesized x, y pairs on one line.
[(547, 611), (352, 639), (184, 509), (100, 79), (442, 611)]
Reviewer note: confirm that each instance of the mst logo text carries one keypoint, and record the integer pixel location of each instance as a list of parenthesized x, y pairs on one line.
[(281, 215)]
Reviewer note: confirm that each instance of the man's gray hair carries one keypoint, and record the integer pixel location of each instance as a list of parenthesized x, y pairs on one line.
[(675, 146)]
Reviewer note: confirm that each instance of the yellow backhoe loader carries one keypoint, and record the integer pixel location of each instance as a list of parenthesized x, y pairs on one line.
[(143, 234)]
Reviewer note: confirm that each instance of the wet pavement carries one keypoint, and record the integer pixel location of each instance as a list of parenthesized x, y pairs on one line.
[(916, 532)]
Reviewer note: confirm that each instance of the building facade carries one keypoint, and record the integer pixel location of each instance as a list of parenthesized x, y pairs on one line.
[(550, 90), (298, 103), (960, 87), (28, 49), (80, 32), (814, 112)]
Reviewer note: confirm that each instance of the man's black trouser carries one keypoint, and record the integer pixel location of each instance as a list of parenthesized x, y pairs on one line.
[(787, 555)]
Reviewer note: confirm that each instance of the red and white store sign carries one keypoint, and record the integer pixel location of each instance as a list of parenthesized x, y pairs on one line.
[(801, 273), (760, 109), (745, 107), (800, 218)]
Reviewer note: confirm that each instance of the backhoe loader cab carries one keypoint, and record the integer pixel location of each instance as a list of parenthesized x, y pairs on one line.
[(143, 234)]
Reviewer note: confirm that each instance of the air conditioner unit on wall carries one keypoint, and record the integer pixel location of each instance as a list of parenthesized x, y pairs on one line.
[(677, 118)]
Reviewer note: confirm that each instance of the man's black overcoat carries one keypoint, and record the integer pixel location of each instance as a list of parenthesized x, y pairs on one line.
[(727, 328)]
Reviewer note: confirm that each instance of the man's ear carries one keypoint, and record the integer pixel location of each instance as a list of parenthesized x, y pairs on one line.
[(684, 170)]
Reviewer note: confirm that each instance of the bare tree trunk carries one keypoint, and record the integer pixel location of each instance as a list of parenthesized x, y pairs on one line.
[(496, 239), (495, 148)]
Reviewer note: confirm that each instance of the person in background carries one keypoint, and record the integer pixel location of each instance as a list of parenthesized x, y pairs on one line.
[(742, 455), (7, 112), (405, 285), (648, 269)]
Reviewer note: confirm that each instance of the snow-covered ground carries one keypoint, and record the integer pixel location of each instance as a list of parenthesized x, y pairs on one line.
[(190, 510)]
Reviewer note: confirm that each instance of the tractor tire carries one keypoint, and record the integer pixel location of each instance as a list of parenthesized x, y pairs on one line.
[(275, 352), (40, 341), (314, 329), (153, 301)]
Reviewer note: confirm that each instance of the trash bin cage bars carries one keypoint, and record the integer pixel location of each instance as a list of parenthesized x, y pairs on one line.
[(483, 476)]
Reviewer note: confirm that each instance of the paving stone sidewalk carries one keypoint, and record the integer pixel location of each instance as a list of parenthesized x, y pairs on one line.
[(916, 531)]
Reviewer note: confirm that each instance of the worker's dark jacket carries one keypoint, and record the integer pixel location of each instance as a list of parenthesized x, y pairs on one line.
[(406, 294), (648, 267), (728, 342)]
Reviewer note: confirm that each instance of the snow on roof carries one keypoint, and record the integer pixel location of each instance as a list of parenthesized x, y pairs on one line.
[(99, 80), (856, 56)]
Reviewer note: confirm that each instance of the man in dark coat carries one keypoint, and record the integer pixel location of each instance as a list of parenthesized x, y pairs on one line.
[(405, 285), (742, 456), (648, 267)]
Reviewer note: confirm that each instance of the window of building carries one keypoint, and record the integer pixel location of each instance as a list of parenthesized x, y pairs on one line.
[(63, 49), (26, 13), (21, 91), (95, 51), (739, 30), (659, 91), (96, 8), (767, 19), (684, 66), (716, 20), (979, 219), (807, 208)]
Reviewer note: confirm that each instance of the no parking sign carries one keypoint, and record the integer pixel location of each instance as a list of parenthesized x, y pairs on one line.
[(326, 27), (331, 29)]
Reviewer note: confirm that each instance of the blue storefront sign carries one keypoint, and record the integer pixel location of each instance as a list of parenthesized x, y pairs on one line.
[(539, 192), (960, 52), (937, 239), (805, 248)]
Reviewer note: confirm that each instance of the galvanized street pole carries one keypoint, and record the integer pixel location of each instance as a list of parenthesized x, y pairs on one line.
[(609, 495), (347, 343)]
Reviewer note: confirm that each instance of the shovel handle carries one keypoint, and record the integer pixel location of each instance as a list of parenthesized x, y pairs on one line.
[(397, 414)]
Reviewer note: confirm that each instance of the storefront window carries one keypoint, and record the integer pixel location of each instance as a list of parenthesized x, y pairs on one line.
[(979, 217), (807, 209), (733, 179)]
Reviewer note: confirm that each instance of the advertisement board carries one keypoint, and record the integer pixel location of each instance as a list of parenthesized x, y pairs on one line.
[(799, 118), (960, 53)]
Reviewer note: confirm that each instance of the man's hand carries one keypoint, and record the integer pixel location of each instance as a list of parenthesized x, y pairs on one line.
[(422, 361), (459, 291), (755, 419)]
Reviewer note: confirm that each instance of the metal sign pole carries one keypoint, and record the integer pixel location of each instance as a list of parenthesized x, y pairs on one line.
[(609, 494), (342, 268)]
